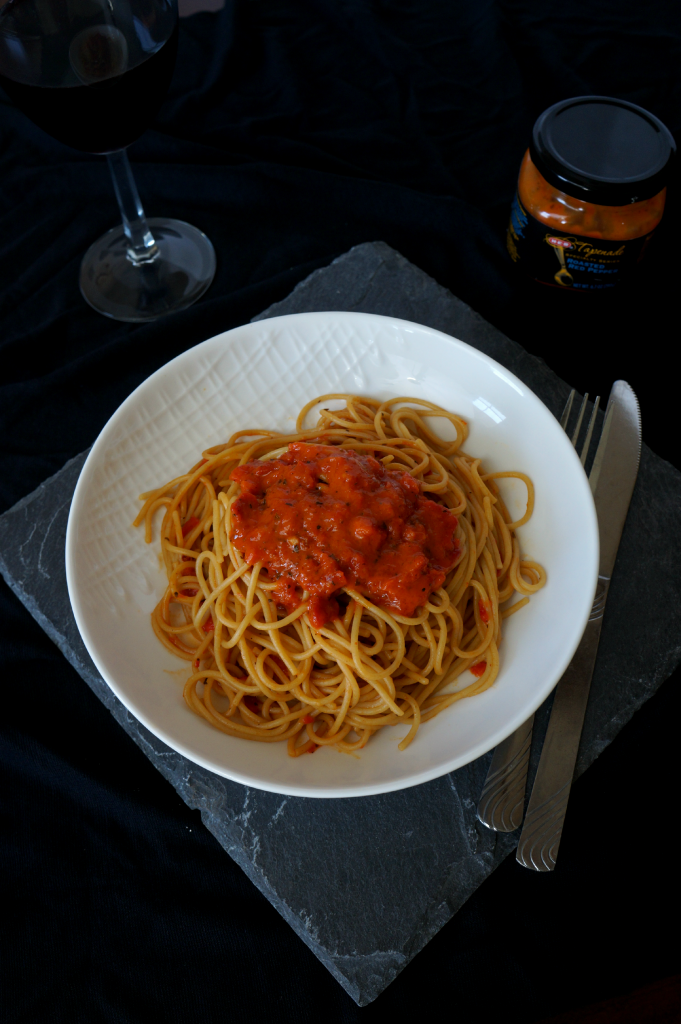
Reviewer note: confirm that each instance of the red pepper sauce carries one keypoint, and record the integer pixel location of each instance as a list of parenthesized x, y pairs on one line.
[(320, 518), (558, 210)]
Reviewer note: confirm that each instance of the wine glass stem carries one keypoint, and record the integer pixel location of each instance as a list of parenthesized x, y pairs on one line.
[(141, 244)]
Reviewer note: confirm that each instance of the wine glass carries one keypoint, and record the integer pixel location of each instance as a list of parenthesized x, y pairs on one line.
[(93, 74)]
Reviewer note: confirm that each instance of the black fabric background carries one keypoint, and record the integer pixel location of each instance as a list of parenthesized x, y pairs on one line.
[(293, 130)]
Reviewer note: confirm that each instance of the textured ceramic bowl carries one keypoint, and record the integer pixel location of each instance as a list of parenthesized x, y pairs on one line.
[(260, 375)]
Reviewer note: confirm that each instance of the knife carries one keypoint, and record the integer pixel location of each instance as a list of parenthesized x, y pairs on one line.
[(612, 480)]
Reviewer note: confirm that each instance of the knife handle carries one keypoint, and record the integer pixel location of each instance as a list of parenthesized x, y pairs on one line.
[(540, 837), (503, 795)]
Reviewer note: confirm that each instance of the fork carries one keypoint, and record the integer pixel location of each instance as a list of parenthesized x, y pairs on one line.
[(503, 796)]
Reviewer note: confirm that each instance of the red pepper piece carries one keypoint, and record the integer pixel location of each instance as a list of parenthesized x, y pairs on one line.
[(189, 525), (478, 668)]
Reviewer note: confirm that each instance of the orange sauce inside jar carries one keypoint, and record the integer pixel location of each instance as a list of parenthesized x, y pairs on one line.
[(561, 212)]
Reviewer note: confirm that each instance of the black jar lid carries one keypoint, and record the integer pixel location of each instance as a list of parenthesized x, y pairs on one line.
[(604, 150)]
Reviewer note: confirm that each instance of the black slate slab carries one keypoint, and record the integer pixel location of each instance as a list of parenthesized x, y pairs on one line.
[(389, 871)]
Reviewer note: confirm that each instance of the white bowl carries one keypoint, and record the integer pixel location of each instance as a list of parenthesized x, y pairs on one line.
[(260, 375)]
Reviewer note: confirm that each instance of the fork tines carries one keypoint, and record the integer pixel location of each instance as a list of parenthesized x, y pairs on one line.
[(564, 420)]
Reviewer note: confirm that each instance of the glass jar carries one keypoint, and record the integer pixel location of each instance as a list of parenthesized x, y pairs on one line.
[(591, 192)]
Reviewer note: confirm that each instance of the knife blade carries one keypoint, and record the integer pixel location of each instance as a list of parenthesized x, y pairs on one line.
[(612, 480)]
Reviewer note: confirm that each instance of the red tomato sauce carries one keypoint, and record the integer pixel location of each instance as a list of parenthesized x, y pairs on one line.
[(320, 518)]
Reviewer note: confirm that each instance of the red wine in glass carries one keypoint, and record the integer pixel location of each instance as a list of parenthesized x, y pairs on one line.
[(106, 114), (93, 74)]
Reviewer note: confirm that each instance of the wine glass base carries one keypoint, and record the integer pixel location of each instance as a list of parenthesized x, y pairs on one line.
[(115, 286)]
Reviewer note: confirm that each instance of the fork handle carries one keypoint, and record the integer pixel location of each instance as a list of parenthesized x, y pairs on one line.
[(543, 827), (503, 795)]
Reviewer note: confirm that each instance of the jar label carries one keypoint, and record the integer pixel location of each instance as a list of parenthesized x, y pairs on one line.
[(569, 261)]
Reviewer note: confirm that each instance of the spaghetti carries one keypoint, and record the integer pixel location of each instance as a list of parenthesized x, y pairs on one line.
[(331, 582)]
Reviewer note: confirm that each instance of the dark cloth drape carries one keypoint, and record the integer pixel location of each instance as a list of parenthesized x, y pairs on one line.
[(293, 130)]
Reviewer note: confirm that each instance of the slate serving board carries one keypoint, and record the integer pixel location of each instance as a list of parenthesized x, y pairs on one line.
[(390, 870)]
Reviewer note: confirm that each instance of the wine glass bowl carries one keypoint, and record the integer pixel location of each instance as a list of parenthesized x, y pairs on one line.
[(93, 74)]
